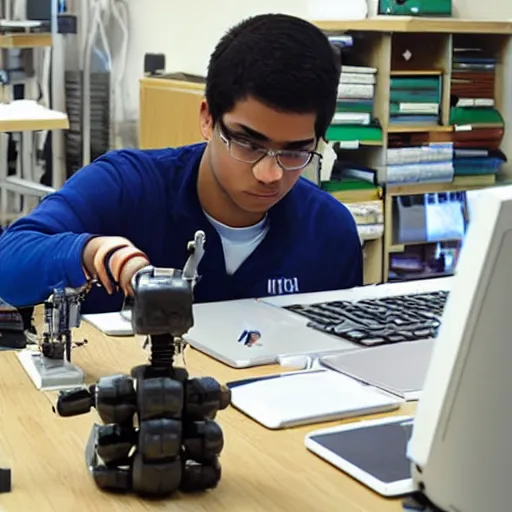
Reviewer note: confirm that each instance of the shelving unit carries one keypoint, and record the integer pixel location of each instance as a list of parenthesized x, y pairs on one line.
[(423, 48), (23, 120)]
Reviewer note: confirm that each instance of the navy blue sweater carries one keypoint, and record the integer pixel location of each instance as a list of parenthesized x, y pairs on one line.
[(150, 197)]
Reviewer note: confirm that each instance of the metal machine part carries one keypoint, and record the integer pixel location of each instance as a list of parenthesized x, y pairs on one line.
[(50, 367)]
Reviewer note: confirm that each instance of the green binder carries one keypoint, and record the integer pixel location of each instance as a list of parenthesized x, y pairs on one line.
[(349, 133), (416, 7), (475, 115)]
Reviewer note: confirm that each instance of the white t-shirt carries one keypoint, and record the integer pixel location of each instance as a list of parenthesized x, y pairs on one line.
[(239, 243)]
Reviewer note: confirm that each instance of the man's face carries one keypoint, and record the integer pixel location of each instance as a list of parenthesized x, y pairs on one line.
[(253, 181)]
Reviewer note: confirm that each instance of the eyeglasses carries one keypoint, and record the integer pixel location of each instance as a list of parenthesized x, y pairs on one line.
[(246, 151)]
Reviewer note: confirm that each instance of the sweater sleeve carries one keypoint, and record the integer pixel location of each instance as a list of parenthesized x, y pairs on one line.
[(348, 251), (43, 251)]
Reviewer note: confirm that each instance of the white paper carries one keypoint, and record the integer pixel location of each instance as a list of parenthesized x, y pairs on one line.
[(329, 157)]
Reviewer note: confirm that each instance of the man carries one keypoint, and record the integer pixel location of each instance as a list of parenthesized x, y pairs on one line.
[(271, 90)]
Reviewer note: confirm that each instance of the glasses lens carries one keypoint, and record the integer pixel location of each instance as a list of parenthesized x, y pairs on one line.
[(294, 160), (245, 152)]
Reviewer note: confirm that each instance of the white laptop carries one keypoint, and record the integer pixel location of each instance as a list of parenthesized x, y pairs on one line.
[(251, 332), (255, 332), (399, 368)]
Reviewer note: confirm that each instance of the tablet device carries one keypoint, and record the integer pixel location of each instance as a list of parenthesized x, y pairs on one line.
[(301, 398), (374, 452)]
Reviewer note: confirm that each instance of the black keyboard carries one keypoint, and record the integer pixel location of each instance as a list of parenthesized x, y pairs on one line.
[(378, 321)]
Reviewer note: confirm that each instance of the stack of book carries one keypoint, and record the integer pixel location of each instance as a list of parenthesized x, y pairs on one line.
[(473, 78), (353, 121), (478, 162), (355, 96), (476, 154), (415, 100), (479, 126), (431, 163), (369, 218)]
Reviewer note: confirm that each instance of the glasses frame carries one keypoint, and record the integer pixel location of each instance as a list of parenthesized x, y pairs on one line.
[(228, 139)]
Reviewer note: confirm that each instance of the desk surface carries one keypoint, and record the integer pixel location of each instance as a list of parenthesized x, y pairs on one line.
[(27, 115), (262, 469)]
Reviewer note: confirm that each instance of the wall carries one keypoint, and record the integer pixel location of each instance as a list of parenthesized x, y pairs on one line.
[(187, 31), (491, 10)]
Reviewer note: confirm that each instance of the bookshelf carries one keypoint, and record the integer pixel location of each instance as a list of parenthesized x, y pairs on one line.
[(434, 98)]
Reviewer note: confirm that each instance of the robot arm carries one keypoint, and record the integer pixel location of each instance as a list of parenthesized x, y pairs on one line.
[(61, 315)]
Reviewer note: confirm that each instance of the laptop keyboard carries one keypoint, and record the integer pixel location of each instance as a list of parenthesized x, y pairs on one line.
[(378, 321)]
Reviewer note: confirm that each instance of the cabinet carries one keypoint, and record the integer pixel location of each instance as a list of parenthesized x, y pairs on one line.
[(169, 112)]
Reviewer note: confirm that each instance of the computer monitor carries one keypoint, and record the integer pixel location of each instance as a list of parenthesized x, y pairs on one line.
[(460, 448)]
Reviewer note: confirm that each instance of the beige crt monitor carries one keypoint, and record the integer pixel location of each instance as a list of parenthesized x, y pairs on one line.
[(461, 443)]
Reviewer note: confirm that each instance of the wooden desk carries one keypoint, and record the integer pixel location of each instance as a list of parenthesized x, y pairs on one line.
[(263, 470)]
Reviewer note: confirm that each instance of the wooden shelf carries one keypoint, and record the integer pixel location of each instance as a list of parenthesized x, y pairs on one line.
[(401, 247), (405, 128), (354, 144), (423, 72), (23, 125), (429, 188), (414, 24), (374, 143), (25, 40)]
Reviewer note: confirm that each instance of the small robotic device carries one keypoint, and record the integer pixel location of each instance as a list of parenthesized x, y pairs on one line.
[(50, 367), (159, 433)]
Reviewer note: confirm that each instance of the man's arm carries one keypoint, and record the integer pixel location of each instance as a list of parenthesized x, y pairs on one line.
[(45, 249)]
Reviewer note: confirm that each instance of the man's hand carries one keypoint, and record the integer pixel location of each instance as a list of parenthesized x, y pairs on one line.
[(128, 270), (107, 257)]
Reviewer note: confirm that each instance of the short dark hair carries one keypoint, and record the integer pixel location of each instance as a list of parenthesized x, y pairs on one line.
[(285, 62)]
